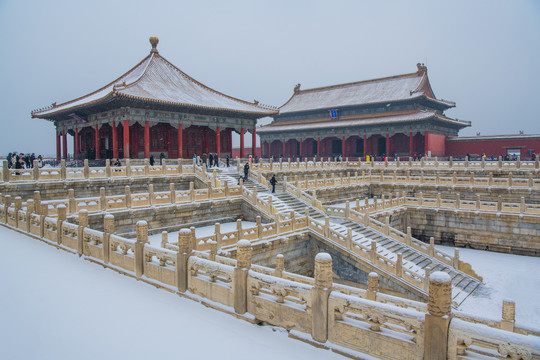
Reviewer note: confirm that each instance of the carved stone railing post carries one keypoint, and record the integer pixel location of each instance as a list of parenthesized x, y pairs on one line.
[(102, 199), (35, 170), (151, 194), (349, 239), (128, 168), (172, 194), (243, 264), (30, 209), (37, 202), (63, 172), (508, 315), (437, 319), (373, 252), (432, 246), (387, 225), (62, 212), (280, 265), (399, 265), (142, 239), (191, 191), (259, 227), (319, 297), (18, 206), (43, 214), (373, 286), (164, 238), (217, 232), (83, 222), (326, 226), (455, 259), (146, 167), (86, 169), (185, 246), (127, 190), (239, 228), (108, 168), (522, 205), (6, 174), (108, 229), (72, 202), (193, 237), (164, 166)]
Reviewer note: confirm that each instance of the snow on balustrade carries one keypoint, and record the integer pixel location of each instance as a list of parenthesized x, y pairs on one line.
[(468, 340), (387, 329), (160, 265), (211, 280)]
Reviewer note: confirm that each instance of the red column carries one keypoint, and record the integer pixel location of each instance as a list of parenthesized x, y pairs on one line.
[(254, 142), (426, 143), (283, 152), (343, 146), (96, 141), (58, 146), (126, 139), (218, 142), (114, 140), (76, 143), (242, 143), (300, 150), (180, 143), (64, 144), (410, 144), (318, 146), (365, 145), (387, 145), (146, 139)]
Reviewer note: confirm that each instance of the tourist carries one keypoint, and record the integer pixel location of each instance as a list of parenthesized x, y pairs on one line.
[(216, 160), (151, 160), (228, 161), (161, 157), (246, 171), (117, 162), (204, 158), (195, 159), (210, 159), (40, 161), (273, 182)]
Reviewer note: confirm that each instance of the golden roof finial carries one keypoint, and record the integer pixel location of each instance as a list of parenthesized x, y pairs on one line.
[(154, 41)]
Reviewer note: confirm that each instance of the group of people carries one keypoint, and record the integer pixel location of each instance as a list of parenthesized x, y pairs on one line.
[(210, 160), (23, 161)]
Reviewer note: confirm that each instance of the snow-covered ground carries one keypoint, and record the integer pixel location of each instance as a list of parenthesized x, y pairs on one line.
[(506, 277), (54, 305)]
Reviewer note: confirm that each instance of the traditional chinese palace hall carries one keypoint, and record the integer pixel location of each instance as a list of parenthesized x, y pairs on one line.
[(397, 115), (154, 108)]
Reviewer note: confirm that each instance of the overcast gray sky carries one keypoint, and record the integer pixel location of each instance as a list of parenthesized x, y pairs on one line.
[(484, 55)]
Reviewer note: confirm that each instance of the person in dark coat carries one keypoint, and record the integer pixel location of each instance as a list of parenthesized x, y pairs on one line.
[(273, 182), (228, 161), (246, 171), (210, 159), (151, 160), (161, 157)]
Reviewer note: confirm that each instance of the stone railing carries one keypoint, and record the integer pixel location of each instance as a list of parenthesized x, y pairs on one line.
[(381, 176), (425, 163), (455, 203), (317, 310), (107, 172)]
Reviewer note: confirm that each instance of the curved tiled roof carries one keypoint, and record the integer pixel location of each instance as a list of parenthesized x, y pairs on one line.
[(352, 121), (156, 80), (395, 88)]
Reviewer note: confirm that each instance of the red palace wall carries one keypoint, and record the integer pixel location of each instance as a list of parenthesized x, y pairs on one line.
[(494, 147), (436, 144)]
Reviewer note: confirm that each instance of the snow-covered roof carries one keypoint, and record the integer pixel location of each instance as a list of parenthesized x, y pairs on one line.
[(156, 80), (389, 89), (356, 120), (494, 137)]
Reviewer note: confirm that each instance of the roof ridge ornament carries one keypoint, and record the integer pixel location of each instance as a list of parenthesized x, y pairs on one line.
[(422, 69), (154, 41), (297, 88)]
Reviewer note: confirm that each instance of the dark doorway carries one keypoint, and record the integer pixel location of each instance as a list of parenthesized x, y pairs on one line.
[(336, 147), (381, 146)]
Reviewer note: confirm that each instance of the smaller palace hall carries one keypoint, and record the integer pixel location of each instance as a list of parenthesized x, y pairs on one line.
[(154, 108), (397, 115)]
